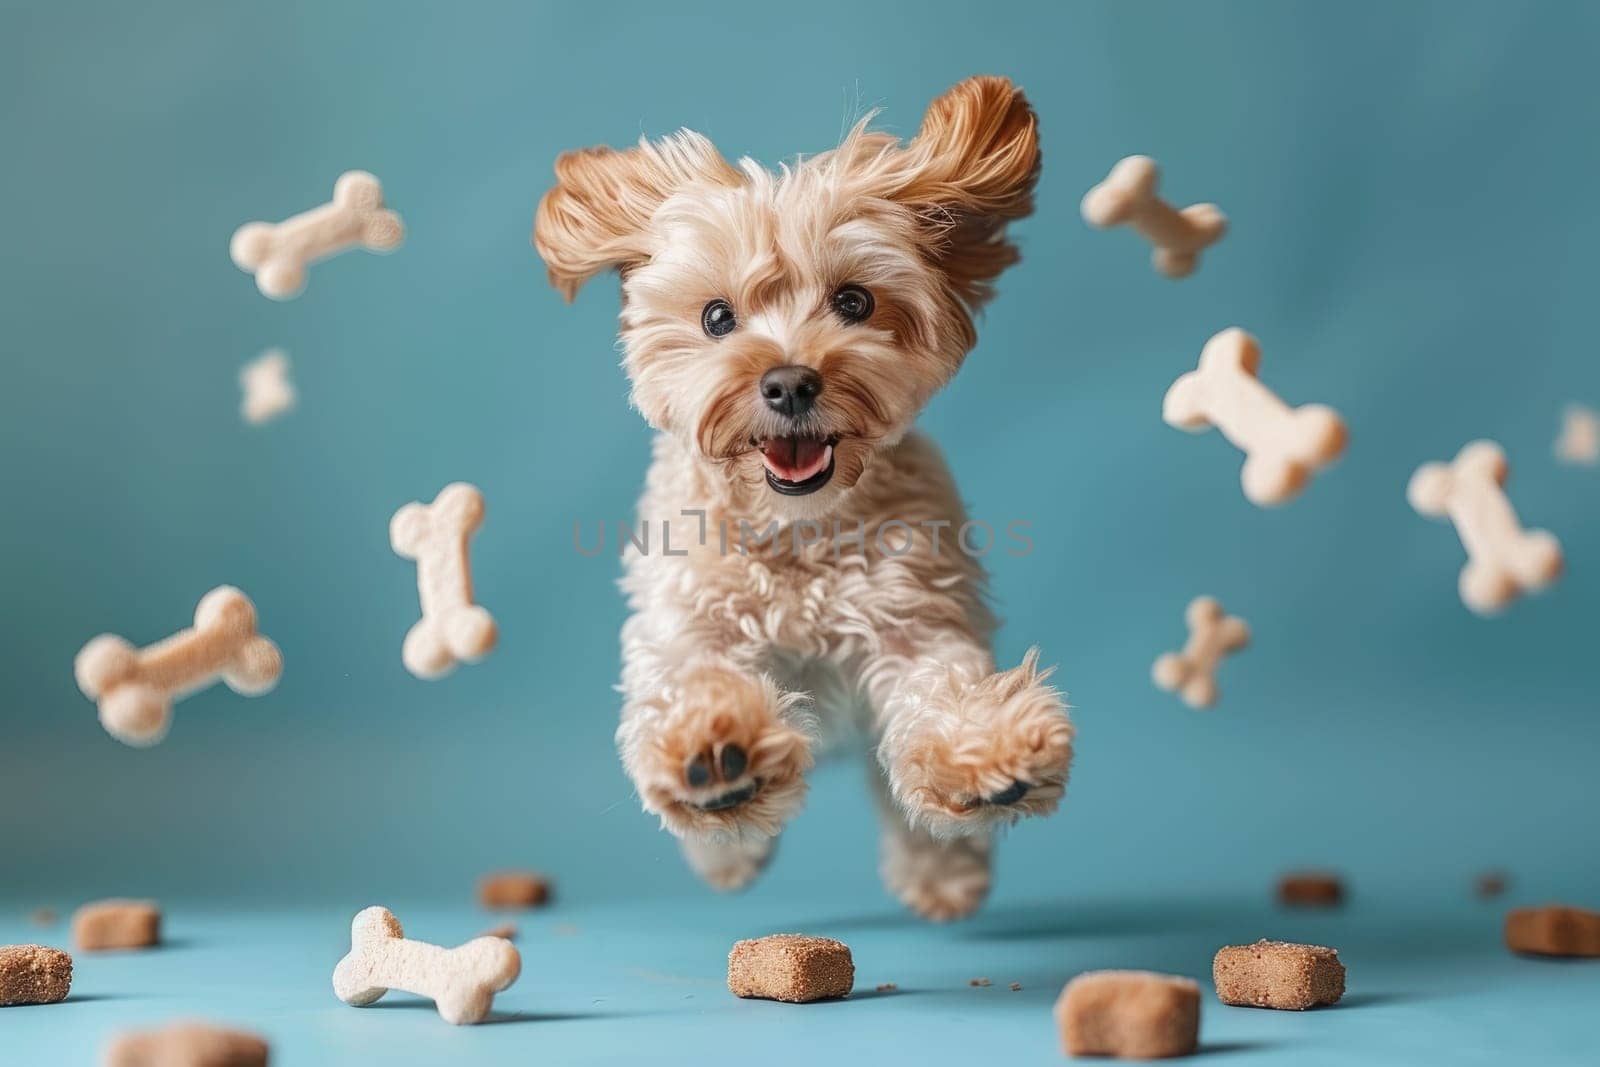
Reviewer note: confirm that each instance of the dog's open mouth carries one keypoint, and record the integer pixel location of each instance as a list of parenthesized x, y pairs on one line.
[(797, 465), (732, 799)]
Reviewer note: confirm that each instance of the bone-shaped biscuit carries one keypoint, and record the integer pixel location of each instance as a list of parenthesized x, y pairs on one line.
[(1282, 445), (136, 686), (1579, 442), (460, 981), (1503, 560), (268, 392), (1128, 195), (1192, 673), (278, 253), (452, 629)]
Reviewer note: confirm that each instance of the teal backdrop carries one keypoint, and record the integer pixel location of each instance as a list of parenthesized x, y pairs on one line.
[(1410, 188)]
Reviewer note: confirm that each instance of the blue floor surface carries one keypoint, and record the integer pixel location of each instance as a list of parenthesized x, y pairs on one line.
[(606, 984)]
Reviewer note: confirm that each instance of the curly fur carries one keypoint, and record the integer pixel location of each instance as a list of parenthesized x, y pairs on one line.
[(744, 644)]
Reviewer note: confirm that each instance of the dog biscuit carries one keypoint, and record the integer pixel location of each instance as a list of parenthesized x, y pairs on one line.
[(108, 924), (452, 629), (1278, 974), (34, 974), (187, 1044), (513, 889), (1135, 1015), (1579, 443), (135, 687), (1553, 930), (1503, 560), (1283, 446), (268, 392), (460, 981), (1128, 195), (1213, 634), (279, 253), (792, 968), (42, 916), (1310, 889)]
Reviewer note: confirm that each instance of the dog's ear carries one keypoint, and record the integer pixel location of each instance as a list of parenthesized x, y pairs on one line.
[(595, 217), (969, 171)]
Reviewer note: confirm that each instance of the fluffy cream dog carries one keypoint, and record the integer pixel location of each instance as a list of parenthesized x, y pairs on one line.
[(782, 332)]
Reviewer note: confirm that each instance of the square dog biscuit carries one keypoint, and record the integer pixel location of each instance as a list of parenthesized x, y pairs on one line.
[(1310, 889), (791, 967), (187, 1044), (34, 974), (1278, 974), (1135, 1015), (514, 889), (107, 924), (1553, 930)]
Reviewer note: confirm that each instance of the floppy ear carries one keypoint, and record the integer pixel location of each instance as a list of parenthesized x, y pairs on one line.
[(969, 171), (595, 217)]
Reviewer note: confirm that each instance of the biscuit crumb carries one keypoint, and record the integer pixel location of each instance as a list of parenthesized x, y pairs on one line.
[(1490, 884), (1278, 974), (978, 983), (43, 917), (886, 987), (34, 974), (1016, 987), (507, 931), (791, 967)]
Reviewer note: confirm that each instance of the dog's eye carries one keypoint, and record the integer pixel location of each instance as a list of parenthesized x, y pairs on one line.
[(717, 319), (853, 303)]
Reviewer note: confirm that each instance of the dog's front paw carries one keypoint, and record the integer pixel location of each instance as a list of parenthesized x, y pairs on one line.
[(720, 755), (939, 880), (971, 754)]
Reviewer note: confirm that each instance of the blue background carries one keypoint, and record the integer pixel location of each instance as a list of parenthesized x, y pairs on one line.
[(1411, 239)]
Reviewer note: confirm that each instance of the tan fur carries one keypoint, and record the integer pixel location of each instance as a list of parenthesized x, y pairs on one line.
[(759, 648)]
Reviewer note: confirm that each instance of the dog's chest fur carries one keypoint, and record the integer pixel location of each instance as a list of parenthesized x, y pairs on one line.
[(811, 614)]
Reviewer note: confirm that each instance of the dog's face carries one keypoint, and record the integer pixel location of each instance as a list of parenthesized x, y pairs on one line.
[(787, 326)]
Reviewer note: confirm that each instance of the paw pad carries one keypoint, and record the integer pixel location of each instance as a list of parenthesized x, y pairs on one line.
[(1011, 794)]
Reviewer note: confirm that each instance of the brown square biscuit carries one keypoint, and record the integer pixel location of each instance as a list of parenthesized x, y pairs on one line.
[(1137, 1015), (187, 1044), (1278, 974), (34, 974), (1310, 889), (1553, 930), (514, 889), (107, 924), (791, 967)]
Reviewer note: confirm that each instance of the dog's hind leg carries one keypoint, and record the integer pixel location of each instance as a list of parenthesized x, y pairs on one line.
[(938, 878), (728, 863)]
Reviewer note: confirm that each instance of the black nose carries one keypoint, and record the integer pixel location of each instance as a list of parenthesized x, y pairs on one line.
[(791, 390)]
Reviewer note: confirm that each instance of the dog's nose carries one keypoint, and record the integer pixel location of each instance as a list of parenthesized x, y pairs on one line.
[(791, 390)]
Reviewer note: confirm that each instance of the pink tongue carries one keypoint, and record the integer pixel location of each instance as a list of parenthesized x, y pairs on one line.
[(794, 459)]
